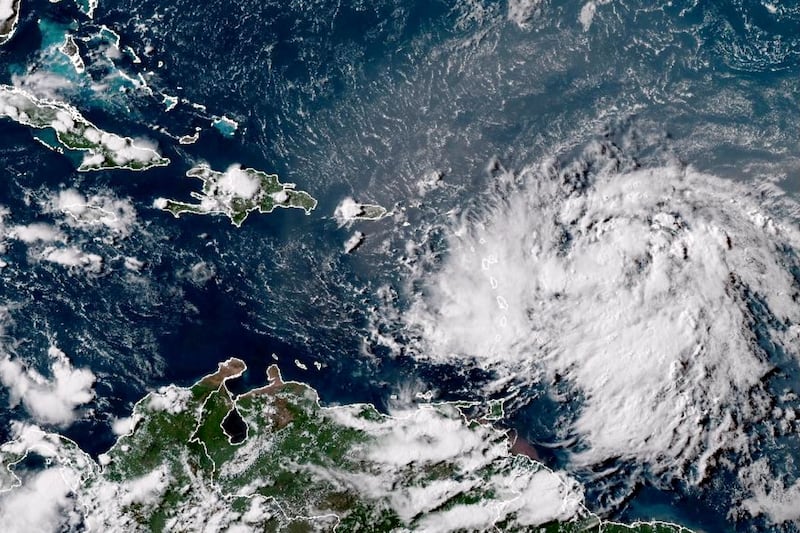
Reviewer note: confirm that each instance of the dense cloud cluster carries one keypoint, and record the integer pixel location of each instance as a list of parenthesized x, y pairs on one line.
[(49, 400), (651, 292)]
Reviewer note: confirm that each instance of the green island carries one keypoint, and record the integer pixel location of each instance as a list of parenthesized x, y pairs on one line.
[(370, 212), (9, 17), (350, 210), (274, 459), (237, 192), (70, 130)]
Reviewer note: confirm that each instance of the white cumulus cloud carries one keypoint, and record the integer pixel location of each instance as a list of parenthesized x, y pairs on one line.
[(37, 232), (41, 505), (100, 211), (642, 290), (54, 400)]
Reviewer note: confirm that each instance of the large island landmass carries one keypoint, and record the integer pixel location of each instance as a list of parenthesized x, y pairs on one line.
[(236, 193), (70, 130)]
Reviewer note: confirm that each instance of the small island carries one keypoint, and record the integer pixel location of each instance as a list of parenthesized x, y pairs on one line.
[(226, 126), (237, 192), (189, 139), (70, 49), (9, 17), (87, 7), (70, 130), (274, 459), (349, 210)]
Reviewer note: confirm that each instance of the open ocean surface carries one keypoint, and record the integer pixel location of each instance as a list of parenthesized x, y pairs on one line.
[(369, 99)]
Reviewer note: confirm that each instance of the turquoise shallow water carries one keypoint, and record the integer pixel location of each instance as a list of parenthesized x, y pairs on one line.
[(366, 99)]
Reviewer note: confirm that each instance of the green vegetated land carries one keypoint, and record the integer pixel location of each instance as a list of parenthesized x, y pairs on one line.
[(220, 195), (71, 131), (274, 459)]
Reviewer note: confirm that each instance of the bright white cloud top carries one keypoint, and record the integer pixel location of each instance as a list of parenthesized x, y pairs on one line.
[(349, 211), (9, 16), (49, 400), (236, 193), (102, 150), (102, 211), (650, 293), (295, 464)]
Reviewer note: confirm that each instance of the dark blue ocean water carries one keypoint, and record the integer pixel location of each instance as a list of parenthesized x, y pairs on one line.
[(363, 99)]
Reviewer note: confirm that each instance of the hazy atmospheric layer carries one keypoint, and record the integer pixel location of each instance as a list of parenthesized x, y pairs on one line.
[(662, 296)]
